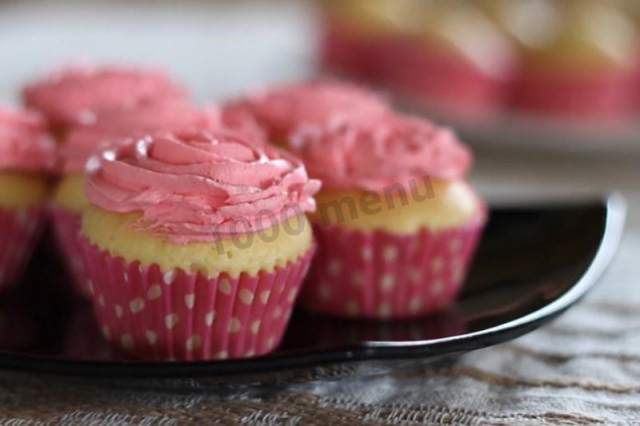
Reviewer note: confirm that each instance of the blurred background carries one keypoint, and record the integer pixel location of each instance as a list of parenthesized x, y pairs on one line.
[(546, 92)]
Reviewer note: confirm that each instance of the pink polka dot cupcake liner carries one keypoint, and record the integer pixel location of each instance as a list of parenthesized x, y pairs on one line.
[(66, 226), (151, 314), (379, 275), (20, 230)]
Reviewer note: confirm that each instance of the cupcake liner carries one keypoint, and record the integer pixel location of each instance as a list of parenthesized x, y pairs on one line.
[(20, 230), (387, 276), (66, 225), (341, 50), (430, 76), (603, 95), (173, 315)]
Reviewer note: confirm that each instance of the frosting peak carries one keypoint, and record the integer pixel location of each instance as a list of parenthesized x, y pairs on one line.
[(199, 186), (374, 154), (171, 116), (24, 144), (75, 95), (282, 109)]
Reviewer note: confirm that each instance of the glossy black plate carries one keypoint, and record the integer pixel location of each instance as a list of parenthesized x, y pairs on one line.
[(534, 262)]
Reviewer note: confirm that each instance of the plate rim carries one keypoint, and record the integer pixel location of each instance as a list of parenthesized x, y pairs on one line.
[(615, 208)]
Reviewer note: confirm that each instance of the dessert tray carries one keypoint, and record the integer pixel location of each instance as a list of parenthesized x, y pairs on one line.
[(534, 262), (520, 131)]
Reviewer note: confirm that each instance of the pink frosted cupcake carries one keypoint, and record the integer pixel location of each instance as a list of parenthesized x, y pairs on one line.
[(69, 198), (282, 109), (196, 244), (77, 94), (26, 158), (397, 223)]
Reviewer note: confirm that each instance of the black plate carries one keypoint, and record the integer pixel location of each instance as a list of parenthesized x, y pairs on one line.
[(534, 262)]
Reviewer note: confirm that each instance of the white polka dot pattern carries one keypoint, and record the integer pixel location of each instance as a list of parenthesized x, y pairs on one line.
[(383, 275), (157, 315)]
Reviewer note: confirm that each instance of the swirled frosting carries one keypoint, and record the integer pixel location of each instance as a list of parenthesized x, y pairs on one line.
[(198, 186), (282, 109), (375, 154), (172, 116), (24, 144), (77, 94)]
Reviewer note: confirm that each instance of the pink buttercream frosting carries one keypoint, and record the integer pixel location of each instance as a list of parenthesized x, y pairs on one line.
[(280, 110), (77, 94), (374, 154), (199, 186), (24, 144), (173, 116)]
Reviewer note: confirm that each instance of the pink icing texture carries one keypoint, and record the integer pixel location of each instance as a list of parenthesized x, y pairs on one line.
[(374, 154), (76, 95), (199, 186), (172, 116), (24, 144), (282, 109)]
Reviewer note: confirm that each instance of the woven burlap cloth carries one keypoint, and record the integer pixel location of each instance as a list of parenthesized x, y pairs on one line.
[(583, 368)]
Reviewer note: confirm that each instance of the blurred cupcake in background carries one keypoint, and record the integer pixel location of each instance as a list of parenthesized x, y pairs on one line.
[(282, 109), (632, 8), (457, 62), (77, 94), (356, 35), (196, 244), (27, 158), (69, 199), (396, 223), (582, 68), (526, 22)]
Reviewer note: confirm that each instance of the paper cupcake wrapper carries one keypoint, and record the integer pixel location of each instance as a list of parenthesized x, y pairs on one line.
[(172, 315), (600, 95), (66, 226), (20, 230), (379, 275), (428, 75), (341, 50)]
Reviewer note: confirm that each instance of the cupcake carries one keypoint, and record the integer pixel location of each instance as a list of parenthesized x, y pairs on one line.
[(583, 68), (77, 94), (69, 199), (632, 9), (356, 35), (457, 61), (396, 223), (26, 157), (196, 244), (282, 109)]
